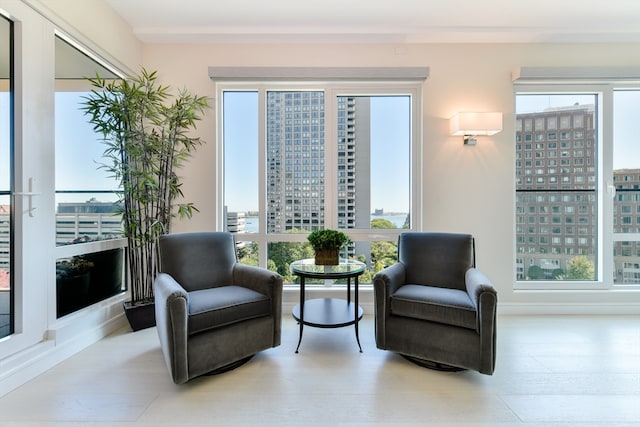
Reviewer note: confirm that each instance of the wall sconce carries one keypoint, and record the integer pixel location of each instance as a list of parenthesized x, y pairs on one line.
[(471, 125)]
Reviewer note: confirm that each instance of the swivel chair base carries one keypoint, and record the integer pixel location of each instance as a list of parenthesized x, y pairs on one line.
[(436, 366), (231, 366)]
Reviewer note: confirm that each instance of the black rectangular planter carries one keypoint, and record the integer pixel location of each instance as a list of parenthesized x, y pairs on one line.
[(140, 316)]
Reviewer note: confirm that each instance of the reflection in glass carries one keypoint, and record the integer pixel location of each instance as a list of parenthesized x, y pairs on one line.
[(85, 279)]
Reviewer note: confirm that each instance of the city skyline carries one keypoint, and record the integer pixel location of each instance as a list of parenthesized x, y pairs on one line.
[(71, 125), (389, 122)]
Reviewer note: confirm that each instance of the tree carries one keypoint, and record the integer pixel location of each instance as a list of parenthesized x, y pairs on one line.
[(580, 268), (248, 253), (282, 253), (557, 273), (383, 254), (535, 272), (382, 223)]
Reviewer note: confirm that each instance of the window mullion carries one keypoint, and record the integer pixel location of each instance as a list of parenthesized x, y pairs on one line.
[(262, 181), (605, 189), (330, 159)]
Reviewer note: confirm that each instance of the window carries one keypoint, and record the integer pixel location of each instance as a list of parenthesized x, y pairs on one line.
[(6, 184), (573, 261), (326, 156), (598, 226), (86, 196)]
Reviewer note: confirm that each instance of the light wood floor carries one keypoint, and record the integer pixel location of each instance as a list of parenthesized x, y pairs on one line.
[(563, 370)]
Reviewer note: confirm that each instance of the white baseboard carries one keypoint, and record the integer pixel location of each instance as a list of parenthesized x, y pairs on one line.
[(534, 309)]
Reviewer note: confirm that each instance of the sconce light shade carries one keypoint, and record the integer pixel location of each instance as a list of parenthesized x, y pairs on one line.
[(471, 125)]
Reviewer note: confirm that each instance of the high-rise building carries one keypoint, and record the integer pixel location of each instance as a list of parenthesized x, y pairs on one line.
[(296, 161), (85, 221), (354, 162), (556, 204), (556, 199), (626, 219), (76, 222)]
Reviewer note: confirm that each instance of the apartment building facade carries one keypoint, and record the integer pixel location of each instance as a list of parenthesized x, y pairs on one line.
[(556, 196), (296, 157)]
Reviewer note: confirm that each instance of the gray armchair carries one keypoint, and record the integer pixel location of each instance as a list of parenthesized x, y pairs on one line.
[(434, 307), (212, 313)]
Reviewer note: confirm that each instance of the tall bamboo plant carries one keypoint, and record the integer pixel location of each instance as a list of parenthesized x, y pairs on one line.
[(146, 132)]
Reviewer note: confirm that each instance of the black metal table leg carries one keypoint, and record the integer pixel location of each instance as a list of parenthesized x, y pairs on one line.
[(301, 321), (355, 312)]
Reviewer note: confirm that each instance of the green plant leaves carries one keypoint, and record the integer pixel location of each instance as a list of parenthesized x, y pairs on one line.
[(146, 132)]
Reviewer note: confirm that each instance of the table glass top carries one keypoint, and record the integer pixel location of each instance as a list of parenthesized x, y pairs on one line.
[(346, 266)]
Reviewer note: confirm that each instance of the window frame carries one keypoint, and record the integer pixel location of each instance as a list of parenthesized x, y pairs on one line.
[(605, 187), (9, 192), (80, 85), (332, 89)]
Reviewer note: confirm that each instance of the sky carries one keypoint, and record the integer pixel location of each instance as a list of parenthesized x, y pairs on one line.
[(241, 181), (78, 148)]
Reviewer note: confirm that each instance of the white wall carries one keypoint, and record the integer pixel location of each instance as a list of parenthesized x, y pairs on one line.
[(467, 189)]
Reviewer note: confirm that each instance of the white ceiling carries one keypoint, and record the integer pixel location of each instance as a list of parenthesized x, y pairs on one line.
[(382, 21)]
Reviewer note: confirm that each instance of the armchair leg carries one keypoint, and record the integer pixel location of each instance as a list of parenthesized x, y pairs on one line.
[(437, 366)]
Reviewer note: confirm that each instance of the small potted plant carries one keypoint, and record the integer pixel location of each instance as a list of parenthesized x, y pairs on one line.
[(327, 244)]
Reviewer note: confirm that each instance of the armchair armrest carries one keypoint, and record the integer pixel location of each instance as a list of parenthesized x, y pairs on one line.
[(172, 309), (266, 282), (484, 296), (477, 283), (261, 280), (388, 280), (385, 282), (165, 288)]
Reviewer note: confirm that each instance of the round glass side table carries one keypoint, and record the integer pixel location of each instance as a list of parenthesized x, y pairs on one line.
[(328, 312)]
